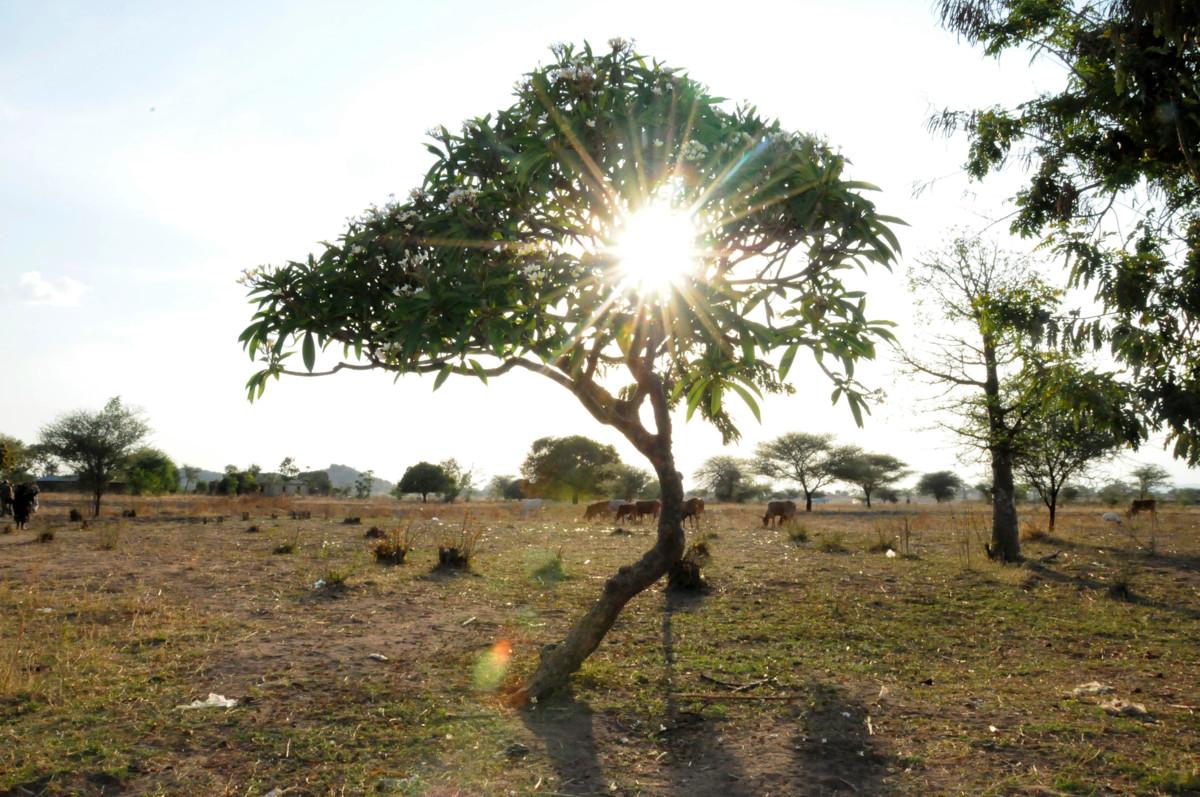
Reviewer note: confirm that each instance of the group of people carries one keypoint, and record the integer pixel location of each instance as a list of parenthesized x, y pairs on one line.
[(20, 501)]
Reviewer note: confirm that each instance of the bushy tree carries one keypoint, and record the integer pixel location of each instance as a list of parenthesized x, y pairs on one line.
[(536, 242), (809, 460), (288, 468), (1122, 132), (869, 472), (188, 476), (96, 445), (317, 482), (723, 477), (151, 472), (941, 485), (423, 478), (507, 488), (459, 480), (1148, 477), (625, 481), (568, 466)]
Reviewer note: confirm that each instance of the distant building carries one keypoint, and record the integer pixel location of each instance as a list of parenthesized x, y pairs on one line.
[(290, 487)]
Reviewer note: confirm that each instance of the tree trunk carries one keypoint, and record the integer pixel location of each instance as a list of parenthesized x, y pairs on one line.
[(807, 501), (96, 503), (424, 498), (1006, 542), (867, 494), (560, 660), (1053, 505)]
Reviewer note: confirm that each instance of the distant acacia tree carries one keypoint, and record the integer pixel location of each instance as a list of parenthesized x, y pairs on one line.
[(423, 478), (619, 231), (364, 484), (151, 472), (869, 472), (810, 460), (568, 466), (722, 476), (1148, 477), (96, 445), (940, 485)]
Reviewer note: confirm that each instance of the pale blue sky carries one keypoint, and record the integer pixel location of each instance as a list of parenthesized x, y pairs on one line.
[(149, 152)]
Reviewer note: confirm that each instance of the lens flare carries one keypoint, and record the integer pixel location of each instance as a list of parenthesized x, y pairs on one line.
[(492, 666)]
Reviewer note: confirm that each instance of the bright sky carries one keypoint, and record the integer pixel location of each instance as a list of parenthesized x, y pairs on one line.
[(149, 152)]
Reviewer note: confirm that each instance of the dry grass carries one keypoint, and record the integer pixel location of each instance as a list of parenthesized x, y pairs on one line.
[(799, 672)]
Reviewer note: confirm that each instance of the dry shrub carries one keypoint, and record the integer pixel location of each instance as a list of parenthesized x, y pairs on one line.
[(108, 535), (46, 536), (685, 574), (252, 530), (545, 567), (393, 548), (833, 542), (351, 521), (285, 548), (75, 516), (1033, 533), (456, 552)]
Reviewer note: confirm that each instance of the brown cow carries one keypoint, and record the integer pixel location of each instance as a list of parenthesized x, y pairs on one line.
[(1143, 505), (25, 503), (693, 508), (626, 511), (651, 508), (598, 509), (779, 511)]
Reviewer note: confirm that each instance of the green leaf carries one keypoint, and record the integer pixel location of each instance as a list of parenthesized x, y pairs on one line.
[(442, 376), (749, 399), (309, 352), (785, 363)]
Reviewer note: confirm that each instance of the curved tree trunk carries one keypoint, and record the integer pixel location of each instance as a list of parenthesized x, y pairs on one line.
[(560, 660)]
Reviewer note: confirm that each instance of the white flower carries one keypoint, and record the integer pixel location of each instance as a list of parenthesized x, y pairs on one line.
[(416, 195), (658, 142), (657, 90), (437, 131), (591, 123), (356, 250), (620, 45), (462, 196), (694, 151)]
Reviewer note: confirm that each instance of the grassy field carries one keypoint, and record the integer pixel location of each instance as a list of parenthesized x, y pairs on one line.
[(815, 664)]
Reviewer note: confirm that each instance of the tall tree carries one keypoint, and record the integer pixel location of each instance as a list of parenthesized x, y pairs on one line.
[(96, 445), (568, 466), (626, 482), (869, 472), (810, 460), (364, 484), (1121, 137), (188, 474), (619, 231), (722, 476), (1148, 477), (992, 308)]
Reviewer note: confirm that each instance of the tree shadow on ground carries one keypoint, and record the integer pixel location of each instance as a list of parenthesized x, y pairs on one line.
[(566, 728), (1116, 590), (834, 752)]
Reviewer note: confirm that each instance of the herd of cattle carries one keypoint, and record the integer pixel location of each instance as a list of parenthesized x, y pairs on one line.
[(20, 501), (778, 512)]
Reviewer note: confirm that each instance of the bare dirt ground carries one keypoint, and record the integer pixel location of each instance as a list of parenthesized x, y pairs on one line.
[(812, 666)]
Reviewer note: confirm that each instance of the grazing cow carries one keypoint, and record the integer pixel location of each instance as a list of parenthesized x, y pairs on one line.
[(25, 503), (6, 498), (651, 508), (1143, 505), (779, 511), (693, 508), (598, 509), (626, 511)]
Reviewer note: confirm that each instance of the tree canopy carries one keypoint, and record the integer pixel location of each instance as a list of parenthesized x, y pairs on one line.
[(940, 485), (423, 478), (810, 460), (516, 253), (151, 472), (871, 473), (568, 467), (1120, 138)]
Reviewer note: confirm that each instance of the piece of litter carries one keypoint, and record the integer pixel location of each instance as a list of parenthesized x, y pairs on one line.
[(320, 582), (846, 714), (377, 657), (884, 692), (993, 729), (275, 792), (1092, 688), (46, 610), (1123, 708), (890, 554), (212, 701), (468, 621)]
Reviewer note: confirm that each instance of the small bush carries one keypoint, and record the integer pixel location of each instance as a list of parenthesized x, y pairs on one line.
[(833, 543), (392, 549), (352, 521), (797, 533), (1033, 534), (285, 548), (456, 552), (298, 514), (129, 513), (252, 529), (45, 536), (108, 535), (245, 516), (75, 515), (882, 544), (332, 580), (685, 575), (375, 533), (388, 553), (545, 567)]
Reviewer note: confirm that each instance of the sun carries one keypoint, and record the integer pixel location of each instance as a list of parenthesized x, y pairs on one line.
[(656, 247)]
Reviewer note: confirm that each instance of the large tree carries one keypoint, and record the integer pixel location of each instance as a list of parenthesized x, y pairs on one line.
[(990, 309), (619, 231), (941, 485), (722, 476), (96, 445), (568, 466), (151, 472), (871, 473), (1113, 164), (423, 478), (810, 460), (1148, 477)]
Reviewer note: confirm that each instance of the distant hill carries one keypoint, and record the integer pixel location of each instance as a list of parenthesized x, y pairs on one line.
[(345, 476), (339, 476)]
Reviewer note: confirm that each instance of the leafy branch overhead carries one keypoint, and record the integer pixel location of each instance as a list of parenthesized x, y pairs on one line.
[(503, 258)]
